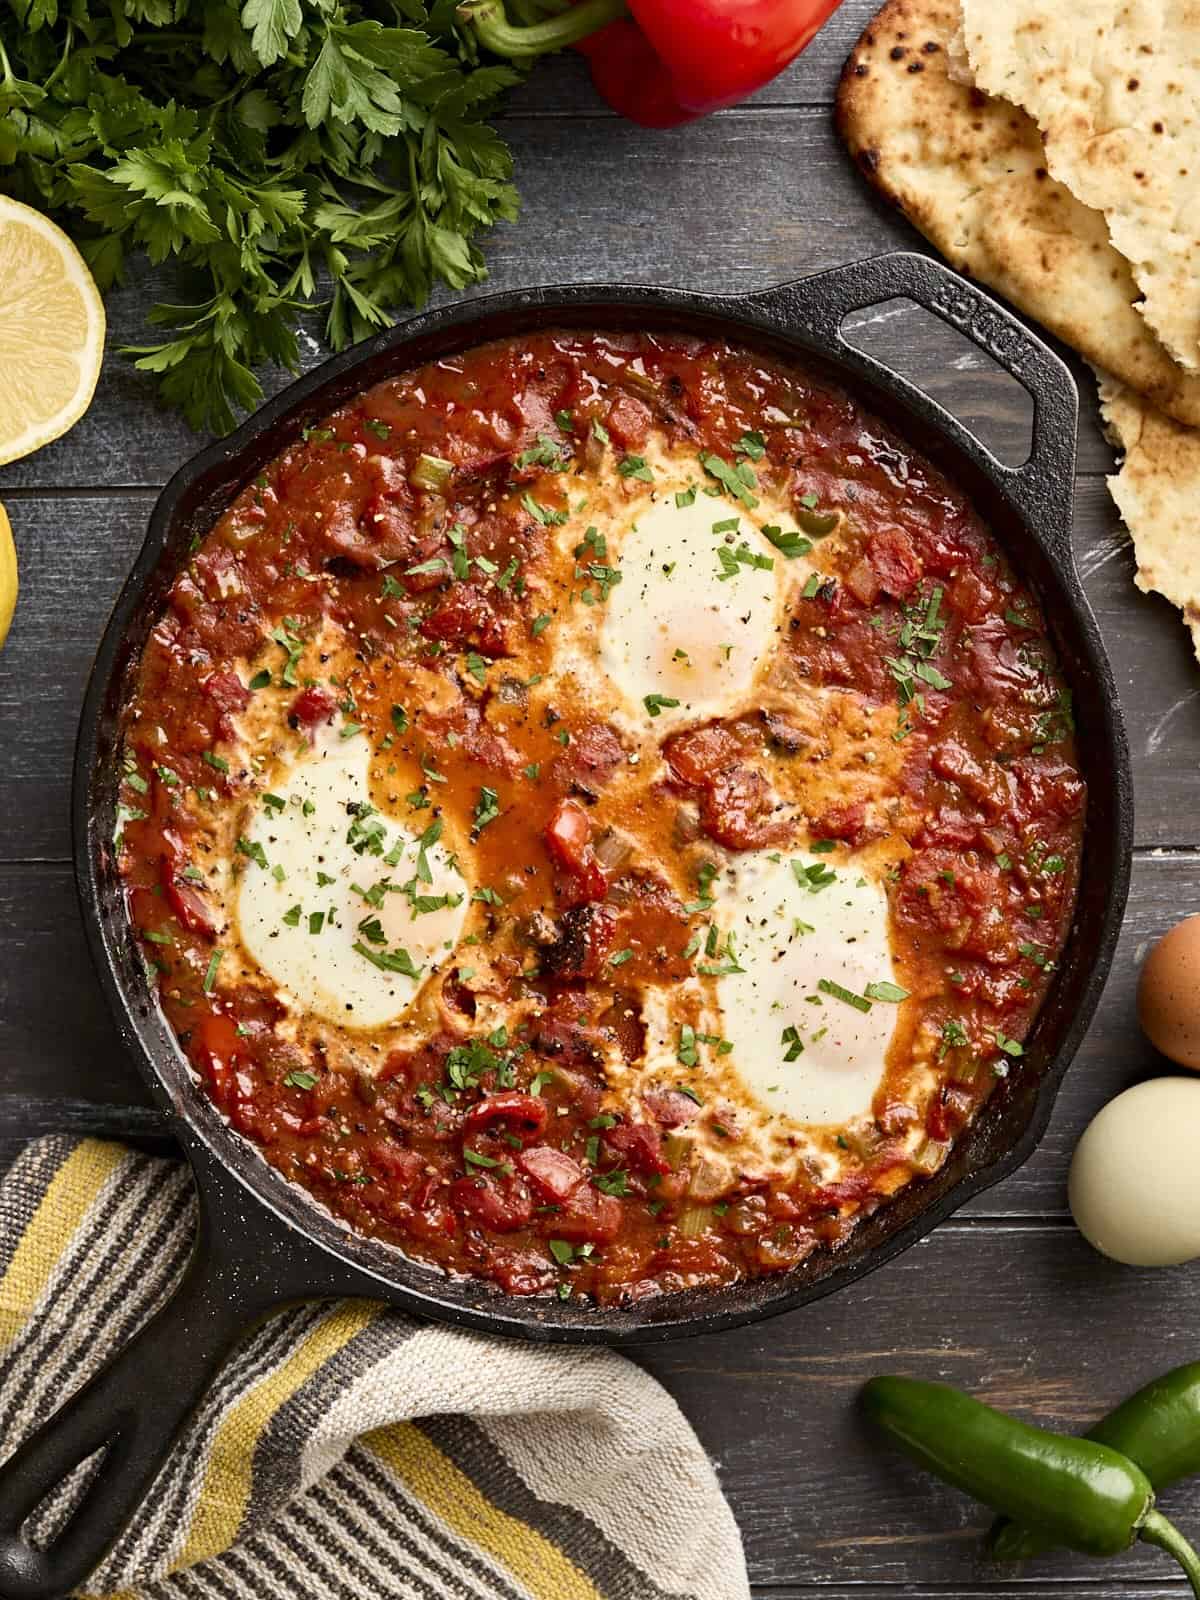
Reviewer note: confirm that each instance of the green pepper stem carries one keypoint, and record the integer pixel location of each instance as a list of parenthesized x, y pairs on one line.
[(522, 43), (1156, 1529)]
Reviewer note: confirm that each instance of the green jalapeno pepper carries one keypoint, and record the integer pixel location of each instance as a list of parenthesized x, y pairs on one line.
[(1073, 1491), (1158, 1428)]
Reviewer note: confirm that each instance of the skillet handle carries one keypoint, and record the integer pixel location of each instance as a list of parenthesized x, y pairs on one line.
[(136, 1404), (1042, 485)]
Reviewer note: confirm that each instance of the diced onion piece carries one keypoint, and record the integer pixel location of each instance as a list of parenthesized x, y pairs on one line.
[(708, 1181), (613, 849), (676, 1148), (694, 1221), (431, 472), (929, 1155)]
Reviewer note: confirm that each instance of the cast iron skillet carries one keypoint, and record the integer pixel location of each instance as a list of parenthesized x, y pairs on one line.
[(263, 1242)]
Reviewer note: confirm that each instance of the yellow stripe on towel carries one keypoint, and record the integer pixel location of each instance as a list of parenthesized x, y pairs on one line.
[(446, 1490), (71, 1193), (221, 1503)]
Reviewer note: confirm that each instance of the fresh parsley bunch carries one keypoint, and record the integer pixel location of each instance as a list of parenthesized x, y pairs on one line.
[(269, 150)]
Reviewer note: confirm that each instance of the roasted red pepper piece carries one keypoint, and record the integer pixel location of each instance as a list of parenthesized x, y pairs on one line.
[(661, 62)]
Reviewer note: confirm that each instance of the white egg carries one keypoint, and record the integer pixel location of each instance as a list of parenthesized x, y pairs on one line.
[(791, 935), (685, 630), (346, 912), (1134, 1188)]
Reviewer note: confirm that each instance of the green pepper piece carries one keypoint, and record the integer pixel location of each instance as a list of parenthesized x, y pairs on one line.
[(818, 524), (1158, 1428), (1074, 1491)]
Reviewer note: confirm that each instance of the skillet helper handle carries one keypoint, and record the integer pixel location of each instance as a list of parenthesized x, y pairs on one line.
[(1042, 484), (134, 1406)]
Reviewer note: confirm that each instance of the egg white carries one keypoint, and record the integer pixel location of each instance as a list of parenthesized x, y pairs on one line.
[(788, 936), (326, 851)]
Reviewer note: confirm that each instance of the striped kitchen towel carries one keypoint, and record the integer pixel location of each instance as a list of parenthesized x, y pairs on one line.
[(347, 1451)]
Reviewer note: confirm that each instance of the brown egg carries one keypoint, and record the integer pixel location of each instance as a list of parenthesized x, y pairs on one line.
[(1168, 998)]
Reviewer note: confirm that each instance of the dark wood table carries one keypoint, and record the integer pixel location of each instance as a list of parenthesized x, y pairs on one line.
[(1006, 1298)]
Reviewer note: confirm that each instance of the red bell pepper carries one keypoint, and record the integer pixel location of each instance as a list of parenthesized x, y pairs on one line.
[(661, 62)]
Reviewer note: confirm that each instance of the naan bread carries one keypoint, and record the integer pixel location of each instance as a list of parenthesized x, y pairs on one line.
[(970, 173), (1157, 492), (1114, 86)]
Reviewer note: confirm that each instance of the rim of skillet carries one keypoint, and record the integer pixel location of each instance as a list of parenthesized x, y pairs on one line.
[(331, 1258)]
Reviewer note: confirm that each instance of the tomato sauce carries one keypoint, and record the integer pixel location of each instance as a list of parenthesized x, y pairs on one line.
[(503, 1153)]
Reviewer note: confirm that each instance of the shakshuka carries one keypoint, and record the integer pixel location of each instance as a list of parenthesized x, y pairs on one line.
[(601, 813)]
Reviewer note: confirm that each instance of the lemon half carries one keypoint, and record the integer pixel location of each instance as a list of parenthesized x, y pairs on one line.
[(8, 574), (51, 332)]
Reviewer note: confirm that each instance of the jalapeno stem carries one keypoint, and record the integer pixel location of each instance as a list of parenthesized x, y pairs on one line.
[(1156, 1529)]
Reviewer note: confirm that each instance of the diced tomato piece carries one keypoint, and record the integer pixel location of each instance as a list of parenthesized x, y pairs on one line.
[(587, 1215), (185, 901), (527, 1112), (670, 1107), (400, 1167), (552, 1172), (696, 757), (468, 617), (894, 560), (311, 706), (641, 1146), (862, 582), (226, 690), (585, 937), (590, 759), (740, 810), (499, 1204), (568, 839), (848, 822)]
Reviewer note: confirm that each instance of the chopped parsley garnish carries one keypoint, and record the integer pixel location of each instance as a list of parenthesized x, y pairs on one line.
[(255, 851), (301, 1080), (731, 561), (635, 467), (260, 680), (546, 515), (751, 444), (840, 992), (397, 960), (475, 1158), (815, 877), (392, 588), (218, 763), (613, 1183), (685, 497), (655, 704), (210, 976), (477, 666), (739, 481), (885, 991), (316, 921), (400, 719), (547, 452), (620, 957), (539, 624), (795, 1045), (292, 917), (487, 809), (1010, 1047), (790, 544), (290, 641), (954, 1036)]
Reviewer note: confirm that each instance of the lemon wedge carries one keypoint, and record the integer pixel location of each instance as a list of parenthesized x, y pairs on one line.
[(51, 332), (8, 574)]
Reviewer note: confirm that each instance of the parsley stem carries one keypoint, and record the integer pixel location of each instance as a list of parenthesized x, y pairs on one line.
[(503, 38)]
